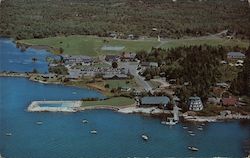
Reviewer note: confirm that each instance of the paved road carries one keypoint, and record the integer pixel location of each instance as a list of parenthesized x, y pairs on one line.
[(132, 67)]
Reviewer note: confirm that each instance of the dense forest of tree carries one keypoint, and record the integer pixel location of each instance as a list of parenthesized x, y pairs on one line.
[(197, 65), (24, 19), (241, 85)]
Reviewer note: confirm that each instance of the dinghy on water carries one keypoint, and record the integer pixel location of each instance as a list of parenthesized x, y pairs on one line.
[(170, 121), (39, 122), (193, 148), (144, 137), (200, 128), (184, 127), (93, 132), (85, 121), (8, 134)]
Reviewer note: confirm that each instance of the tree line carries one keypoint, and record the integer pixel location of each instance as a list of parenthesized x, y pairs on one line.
[(22, 19), (195, 66)]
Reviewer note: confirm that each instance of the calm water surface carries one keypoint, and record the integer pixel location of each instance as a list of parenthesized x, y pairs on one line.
[(12, 59), (62, 135)]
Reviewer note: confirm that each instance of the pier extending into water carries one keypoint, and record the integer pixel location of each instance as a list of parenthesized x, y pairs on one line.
[(54, 106)]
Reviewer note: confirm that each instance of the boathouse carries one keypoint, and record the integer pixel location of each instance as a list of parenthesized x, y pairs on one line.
[(154, 101)]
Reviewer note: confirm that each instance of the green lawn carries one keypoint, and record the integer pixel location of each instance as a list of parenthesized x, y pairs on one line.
[(91, 45), (116, 101), (208, 41), (121, 83), (154, 84)]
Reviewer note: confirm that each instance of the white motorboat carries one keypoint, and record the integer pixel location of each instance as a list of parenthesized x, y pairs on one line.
[(184, 127), (170, 121), (8, 134), (85, 121), (144, 137), (193, 148), (200, 128), (192, 134), (93, 132), (39, 122)]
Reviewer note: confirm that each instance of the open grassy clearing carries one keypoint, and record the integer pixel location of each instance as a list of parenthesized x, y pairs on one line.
[(121, 83), (91, 45), (116, 101), (208, 41), (154, 84)]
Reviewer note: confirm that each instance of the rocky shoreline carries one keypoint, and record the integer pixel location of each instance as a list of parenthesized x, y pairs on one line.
[(215, 118), (126, 110)]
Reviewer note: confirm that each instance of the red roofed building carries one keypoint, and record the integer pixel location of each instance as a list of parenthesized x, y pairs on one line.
[(231, 101)]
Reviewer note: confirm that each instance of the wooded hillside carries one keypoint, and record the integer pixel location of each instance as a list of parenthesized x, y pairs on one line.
[(24, 19)]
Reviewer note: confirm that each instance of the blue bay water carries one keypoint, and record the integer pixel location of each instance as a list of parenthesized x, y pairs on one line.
[(12, 59), (62, 135)]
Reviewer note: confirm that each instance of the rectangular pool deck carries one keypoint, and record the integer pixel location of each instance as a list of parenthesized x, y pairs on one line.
[(54, 106)]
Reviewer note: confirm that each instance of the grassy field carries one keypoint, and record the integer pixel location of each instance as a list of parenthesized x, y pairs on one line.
[(154, 84), (116, 101), (121, 83), (92, 45), (208, 41)]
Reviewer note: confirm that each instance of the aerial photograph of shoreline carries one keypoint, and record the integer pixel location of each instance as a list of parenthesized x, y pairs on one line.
[(124, 78)]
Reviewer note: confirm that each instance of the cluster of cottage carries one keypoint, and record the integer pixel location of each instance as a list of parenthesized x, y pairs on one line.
[(194, 103)]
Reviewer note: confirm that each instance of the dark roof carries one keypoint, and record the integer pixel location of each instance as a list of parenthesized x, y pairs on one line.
[(237, 54), (112, 57), (155, 100), (194, 98)]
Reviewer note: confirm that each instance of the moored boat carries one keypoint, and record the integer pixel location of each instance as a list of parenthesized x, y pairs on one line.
[(192, 148), (144, 137), (39, 122), (8, 134), (190, 131), (85, 121), (170, 121), (200, 128), (93, 132)]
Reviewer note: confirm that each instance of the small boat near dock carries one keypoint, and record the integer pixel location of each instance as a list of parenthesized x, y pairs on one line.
[(170, 122), (184, 127), (144, 137), (200, 128), (190, 131), (193, 148)]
